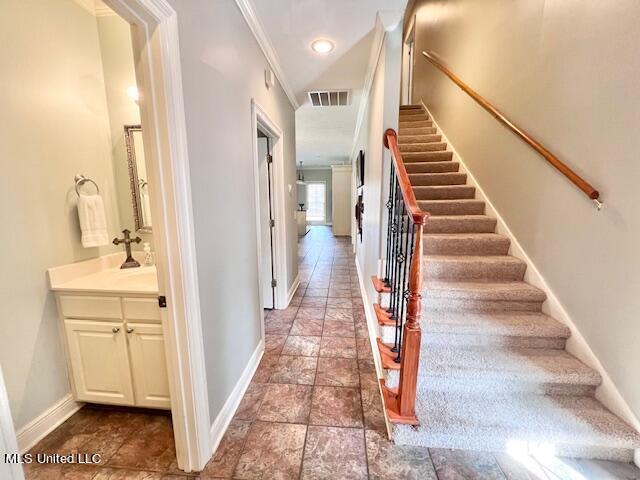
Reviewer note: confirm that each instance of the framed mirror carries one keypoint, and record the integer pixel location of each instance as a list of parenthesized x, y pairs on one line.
[(138, 178)]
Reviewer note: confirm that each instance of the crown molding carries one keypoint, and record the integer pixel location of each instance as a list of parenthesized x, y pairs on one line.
[(248, 11)]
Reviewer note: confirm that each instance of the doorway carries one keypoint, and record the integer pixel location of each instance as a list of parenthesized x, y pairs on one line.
[(407, 65), (267, 219), (317, 203), (270, 210)]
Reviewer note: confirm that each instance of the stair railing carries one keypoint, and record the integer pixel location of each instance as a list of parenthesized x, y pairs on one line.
[(403, 281), (576, 179)]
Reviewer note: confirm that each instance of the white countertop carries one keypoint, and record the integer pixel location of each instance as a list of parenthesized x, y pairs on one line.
[(103, 275)]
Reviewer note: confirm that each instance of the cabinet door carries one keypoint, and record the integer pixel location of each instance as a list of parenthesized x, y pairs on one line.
[(149, 367), (99, 361)]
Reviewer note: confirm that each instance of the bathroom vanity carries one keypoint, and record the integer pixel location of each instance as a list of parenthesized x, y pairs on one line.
[(112, 332)]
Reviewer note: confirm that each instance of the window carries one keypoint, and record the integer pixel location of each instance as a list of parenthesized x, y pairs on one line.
[(316, 202)]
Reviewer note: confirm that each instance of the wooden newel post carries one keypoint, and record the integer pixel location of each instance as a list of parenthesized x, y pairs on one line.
[(410, 353)]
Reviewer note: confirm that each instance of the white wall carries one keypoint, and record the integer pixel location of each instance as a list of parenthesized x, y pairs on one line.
[(54, 125), (382, 113), (223, 69), (567, 72)]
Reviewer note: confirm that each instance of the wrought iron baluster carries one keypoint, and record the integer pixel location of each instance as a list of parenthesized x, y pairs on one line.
[(398, 288), (394, 247), (392, 185)]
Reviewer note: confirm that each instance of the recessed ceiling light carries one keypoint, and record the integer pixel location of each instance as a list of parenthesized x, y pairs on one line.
[(322, 46)]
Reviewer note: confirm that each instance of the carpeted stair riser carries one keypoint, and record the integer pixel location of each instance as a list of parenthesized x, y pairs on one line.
[(471, 268), (452, 207), (410, 139), (427, 156), (466, 244), (429, 179), (423, 147), (444, 192), (432, 167), (413, 130), (410, 107)]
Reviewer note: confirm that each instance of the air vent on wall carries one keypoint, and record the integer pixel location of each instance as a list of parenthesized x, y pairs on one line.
[(329, 98)]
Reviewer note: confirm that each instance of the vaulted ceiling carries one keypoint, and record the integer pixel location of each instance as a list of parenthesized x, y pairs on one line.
[(324, 135)]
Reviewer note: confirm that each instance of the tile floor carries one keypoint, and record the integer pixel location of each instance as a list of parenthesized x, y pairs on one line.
[(312, 410)]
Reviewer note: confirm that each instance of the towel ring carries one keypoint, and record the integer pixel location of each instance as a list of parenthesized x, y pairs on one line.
[(81, 180)]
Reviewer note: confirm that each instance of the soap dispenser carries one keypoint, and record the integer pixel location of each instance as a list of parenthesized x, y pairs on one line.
[(148, 256)]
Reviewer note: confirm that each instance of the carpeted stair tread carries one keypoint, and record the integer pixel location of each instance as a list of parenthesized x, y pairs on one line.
[(411, 139), (431, 167), (423, 147), (464, 206), (574, 426), (495, 329), (430, 179), (442, 156), (473, 267), (441, 192), (466, 244), (428, 129), (495, 370), (461, 224), (498, 291)]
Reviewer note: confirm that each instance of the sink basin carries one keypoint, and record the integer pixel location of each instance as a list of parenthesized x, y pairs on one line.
[(136, 277)]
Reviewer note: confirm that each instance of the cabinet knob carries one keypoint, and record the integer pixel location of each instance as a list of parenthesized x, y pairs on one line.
[(115, 329), (129, 330)]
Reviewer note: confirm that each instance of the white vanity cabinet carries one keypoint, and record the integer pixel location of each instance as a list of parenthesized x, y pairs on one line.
[(115, 349)]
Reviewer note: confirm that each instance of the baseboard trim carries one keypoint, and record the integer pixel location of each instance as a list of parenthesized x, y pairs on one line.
[(292, 290), (372, 327), (607, 393), (222, 421), (46, 422)]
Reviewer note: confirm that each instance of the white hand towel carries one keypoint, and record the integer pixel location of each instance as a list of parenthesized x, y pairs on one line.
[(93, 222)]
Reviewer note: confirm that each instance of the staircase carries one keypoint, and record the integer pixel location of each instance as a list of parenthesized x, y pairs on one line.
[(494, 373)]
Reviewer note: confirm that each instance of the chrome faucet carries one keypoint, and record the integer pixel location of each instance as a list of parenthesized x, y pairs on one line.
[(127, 240)]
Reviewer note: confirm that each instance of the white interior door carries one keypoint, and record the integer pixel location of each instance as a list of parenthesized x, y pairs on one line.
[(407, 70), (266, 229), (150, 378), (100, 361)]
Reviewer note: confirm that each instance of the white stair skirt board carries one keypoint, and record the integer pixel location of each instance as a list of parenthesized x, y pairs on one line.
[(221, 423), (607, 392), (46, 422)]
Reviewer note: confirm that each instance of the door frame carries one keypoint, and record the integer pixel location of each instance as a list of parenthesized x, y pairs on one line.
[(408, 50), (261, 120), (159, 77)]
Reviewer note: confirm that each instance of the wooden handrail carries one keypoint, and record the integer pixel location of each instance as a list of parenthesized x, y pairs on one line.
[(581, 183), (411, 204)]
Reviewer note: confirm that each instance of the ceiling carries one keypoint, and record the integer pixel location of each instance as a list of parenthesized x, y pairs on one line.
[(324, 135)]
